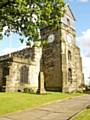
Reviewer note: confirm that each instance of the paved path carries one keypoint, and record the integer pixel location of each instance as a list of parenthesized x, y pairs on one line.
[(60, 110)]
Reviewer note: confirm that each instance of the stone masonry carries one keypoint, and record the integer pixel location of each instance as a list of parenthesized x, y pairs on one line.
[(23, 69)]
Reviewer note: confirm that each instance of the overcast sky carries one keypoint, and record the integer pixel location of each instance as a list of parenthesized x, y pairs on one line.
[(81, 10)]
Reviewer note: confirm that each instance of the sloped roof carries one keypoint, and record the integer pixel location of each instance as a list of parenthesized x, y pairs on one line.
[(26, 52), (68, 7)]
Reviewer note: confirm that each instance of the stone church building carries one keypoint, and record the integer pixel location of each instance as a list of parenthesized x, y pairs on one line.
[(55, 67)]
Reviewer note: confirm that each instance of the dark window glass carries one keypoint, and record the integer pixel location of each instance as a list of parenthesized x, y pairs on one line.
[(70, 75), (69, 55), (68, 21), (24, 74)]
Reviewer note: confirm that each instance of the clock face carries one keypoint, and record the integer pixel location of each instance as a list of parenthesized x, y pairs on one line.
[(69, 38), (51, 38)]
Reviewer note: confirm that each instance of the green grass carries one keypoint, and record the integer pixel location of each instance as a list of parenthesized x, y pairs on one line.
[(85, 115), (11, 102)]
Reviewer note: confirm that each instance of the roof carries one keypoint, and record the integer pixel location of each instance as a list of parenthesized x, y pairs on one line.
[(68, 6), (26, 52)]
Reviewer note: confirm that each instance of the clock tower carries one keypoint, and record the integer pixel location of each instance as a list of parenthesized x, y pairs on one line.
[(61, 61)]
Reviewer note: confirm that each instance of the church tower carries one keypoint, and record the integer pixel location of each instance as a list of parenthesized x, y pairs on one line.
[(61, 61)]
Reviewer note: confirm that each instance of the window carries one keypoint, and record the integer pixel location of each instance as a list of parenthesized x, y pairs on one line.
[(69, 55), (68, 21), (70, 75), (24, 74)]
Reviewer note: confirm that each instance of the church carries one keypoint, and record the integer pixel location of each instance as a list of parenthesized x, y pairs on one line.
[(56, 66)]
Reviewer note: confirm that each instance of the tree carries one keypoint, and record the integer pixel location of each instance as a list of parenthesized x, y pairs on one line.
[(26, 17)]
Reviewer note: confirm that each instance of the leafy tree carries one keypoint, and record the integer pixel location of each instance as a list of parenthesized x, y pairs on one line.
[(26, 17)]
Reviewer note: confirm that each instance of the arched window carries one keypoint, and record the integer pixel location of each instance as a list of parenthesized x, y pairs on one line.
[(24, 74), (68, 22), (69, 55), (70, 75)]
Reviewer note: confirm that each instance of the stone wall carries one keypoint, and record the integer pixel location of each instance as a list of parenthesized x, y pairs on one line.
[(24, 69), (75, 64), (79, 73), (51, 62)]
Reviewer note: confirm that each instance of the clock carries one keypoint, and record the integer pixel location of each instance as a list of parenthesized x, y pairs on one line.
[(69, 38), (51, 38)]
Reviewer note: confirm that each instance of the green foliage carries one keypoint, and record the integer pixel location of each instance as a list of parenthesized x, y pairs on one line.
[(26, 17)]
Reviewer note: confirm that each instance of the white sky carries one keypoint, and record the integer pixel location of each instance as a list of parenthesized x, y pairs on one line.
[(84, 43)]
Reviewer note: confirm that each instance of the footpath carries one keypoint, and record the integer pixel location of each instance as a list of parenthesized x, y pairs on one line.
[(59, 110)]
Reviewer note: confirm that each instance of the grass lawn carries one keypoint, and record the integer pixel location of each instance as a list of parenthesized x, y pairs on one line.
[(11, 102), (85, 115)]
